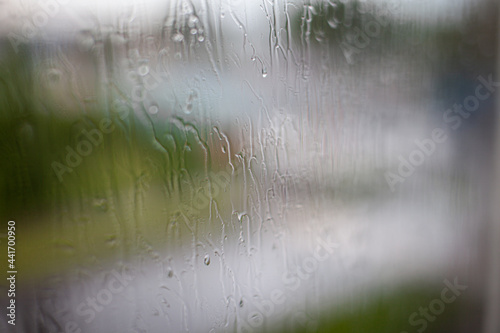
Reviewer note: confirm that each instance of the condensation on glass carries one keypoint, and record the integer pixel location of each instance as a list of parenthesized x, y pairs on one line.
[(249, 166)]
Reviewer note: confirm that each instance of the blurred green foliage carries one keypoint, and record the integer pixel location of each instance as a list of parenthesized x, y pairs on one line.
[(389, 311), (35, 132)]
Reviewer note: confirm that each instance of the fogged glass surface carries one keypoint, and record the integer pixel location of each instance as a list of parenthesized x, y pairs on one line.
[(248, 166)]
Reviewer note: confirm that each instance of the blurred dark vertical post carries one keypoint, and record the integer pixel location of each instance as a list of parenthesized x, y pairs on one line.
[(492, 313), (470, 53)]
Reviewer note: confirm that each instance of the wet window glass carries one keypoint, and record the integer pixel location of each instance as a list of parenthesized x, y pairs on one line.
[(249, 166)]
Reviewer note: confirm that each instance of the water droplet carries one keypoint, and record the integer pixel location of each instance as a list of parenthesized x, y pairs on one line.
[(189, 108), (201, 38), (192, 20), (178, 37), (206, 260), (111, 241), (264, 72), (257, 319), (332, 22), (143, 70), (241, 216), (54, 75), (101, 204), (319, 36), (153, 109), (193, 31)]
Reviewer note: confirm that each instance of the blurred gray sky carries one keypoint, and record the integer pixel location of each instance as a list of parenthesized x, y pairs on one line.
[(14, 13)]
